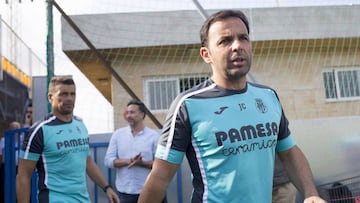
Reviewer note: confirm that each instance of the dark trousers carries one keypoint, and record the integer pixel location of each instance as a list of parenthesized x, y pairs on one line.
[(128, 198), (2, 183), (132, 198)]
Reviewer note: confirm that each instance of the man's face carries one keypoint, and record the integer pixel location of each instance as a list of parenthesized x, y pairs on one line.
[(63, 99), (134, 115), (229, 49), (28, 116), (14, 126)]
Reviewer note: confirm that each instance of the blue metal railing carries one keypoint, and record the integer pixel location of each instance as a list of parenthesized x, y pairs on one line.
[(10, 159), (11, 148), (95, 147)]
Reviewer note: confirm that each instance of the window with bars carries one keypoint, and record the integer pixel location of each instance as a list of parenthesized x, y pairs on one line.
[(342, 84), (159, 93)]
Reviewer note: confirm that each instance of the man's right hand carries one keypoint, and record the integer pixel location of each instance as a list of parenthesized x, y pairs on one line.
[(136, 160)]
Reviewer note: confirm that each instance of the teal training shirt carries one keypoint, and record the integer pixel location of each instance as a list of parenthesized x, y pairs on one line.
[(61, 150), (229, 138)]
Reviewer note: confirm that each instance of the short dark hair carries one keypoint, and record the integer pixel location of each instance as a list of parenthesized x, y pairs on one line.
[(220, 15), (62, 79), (141, 105)]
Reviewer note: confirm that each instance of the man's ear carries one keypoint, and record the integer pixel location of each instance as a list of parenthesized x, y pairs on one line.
[(204, 53), (49, 97)]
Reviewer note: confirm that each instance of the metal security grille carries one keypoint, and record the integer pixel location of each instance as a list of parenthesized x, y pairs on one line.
[(161, 92), (329, 84), (342, 84), (349, 83), (343, 191), (189, 82)]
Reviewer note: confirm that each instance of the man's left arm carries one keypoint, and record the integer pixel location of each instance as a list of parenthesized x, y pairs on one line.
[(94, 172), (298, 169)]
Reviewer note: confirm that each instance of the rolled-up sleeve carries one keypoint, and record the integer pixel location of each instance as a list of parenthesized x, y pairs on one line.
[(111, 153)]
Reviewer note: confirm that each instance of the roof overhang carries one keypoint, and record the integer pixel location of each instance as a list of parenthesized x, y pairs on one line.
[(114, 31)]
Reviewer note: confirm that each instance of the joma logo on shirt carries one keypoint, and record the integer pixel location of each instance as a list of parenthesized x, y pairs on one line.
[(246, 132), (72, 143)]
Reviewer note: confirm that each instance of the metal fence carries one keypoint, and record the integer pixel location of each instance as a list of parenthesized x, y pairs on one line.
[(10, 150), (342, 191)]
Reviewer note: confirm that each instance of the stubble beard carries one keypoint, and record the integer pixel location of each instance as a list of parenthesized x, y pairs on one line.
[(67, 110), (237, 76), (234, 74)]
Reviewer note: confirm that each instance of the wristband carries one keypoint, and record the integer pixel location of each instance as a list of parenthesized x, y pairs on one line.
[(106, 188)]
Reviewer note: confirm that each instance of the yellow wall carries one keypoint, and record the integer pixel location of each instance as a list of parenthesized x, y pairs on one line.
[(15, 72)]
